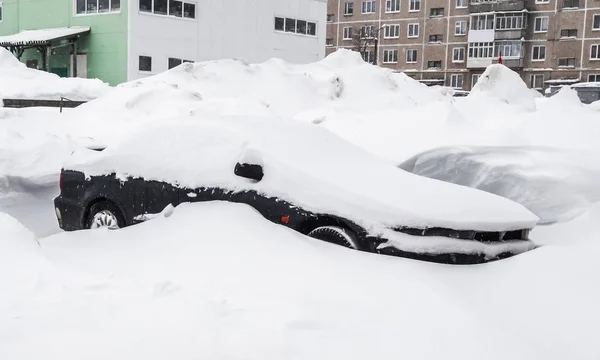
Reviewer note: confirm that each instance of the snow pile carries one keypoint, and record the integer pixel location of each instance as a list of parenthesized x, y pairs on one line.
[(556, 185), (565, 98), (20, 82), (500, 83)]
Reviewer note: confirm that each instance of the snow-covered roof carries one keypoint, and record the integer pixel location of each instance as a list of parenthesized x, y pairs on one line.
[(562, 81), (42, 36), (587, 85)]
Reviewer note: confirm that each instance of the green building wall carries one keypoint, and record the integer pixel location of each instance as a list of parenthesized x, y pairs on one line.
[(105, 45)]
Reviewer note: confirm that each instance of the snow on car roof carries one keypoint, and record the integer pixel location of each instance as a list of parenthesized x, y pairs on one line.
[(306, 165)]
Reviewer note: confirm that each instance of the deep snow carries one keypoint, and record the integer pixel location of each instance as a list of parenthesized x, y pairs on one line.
[(217, 281)]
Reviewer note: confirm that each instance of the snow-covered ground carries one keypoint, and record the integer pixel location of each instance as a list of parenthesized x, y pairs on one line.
[(217, 281)]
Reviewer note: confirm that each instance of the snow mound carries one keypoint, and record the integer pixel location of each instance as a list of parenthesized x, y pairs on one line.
[(20, 82), (556, 185), (501, 83), (565, 98)]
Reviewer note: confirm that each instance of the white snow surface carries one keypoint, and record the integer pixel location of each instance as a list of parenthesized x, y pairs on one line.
[(20, 82), (306, 165), (503, 84)]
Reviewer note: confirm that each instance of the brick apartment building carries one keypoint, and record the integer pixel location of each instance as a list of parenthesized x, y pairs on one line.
[(451, 42)]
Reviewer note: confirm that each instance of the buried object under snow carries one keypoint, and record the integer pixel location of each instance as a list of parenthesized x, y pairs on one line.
[(298, 175)]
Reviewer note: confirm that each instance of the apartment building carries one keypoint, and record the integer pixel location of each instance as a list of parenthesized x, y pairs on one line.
[(451, 42)]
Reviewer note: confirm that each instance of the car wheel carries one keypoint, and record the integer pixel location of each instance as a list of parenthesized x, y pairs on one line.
[(336, 235), (105, 214)]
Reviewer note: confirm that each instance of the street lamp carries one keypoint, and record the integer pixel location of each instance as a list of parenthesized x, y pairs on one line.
[(377, 43)]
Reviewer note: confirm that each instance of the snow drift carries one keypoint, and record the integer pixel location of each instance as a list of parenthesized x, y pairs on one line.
[(20, 82), (501, 83)]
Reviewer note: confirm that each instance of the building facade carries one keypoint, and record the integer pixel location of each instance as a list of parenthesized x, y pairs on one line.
[(122, 40), (451, 42)]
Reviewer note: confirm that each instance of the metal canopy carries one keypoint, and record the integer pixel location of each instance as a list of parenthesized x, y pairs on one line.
[(42, 36)]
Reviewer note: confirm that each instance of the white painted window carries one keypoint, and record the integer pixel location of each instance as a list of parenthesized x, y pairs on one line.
[(95, 6), (460, 28), (390, 56), (542, 1), (392, 31), (458, 55), (368, 6), (537, 81), (482, 22), (538, 53), (411, 56), (145, 63), (509, 49), (510, 21), (392, 6), (414, 5), (594, 78), (368, 56), (349, 8), (474, 79), (595, 52), (456, 81), (481, 50), (413, 30), (175, 8), (295, 26), (461, 4), (347, 33), (366, 32), (596, 24), (540, 24)]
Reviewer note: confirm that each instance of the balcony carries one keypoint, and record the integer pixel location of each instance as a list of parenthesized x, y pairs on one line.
[(483, 6), (509, 34), (510, 63)]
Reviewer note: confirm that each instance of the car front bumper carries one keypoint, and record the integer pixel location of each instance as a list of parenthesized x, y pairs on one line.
[(69, 214)]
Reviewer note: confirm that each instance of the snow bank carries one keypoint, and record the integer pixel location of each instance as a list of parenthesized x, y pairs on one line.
[(500, 83), (556, 185), (19, 81)]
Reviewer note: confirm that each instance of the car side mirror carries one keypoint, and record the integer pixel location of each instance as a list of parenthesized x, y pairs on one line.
[(249, 171)]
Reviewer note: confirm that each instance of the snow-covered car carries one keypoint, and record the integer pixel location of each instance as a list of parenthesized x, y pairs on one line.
[(295, 174)]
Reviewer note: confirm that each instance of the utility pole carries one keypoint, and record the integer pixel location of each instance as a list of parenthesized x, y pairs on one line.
[(377, 44)]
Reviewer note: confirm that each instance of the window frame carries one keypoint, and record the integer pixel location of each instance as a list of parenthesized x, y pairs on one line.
[(597, 46), (476, 21), (501, 45), (594, 22), (391, 26), (542, 1), (466, 4), (568, 36), (473, 81), (532, 81), (414, 5), (363, 32), (567, 66), (434, 41), (533, 52), (454, 52), (169, 67), (184, 5), (373, 7), (347, 30), (541, 18), (457, 76), (456, 27), (140, 64), (295, 32), (413, 36), (389, 4), (370, 56), (349, 8), (2, 11), (596, 77), (411, 51), (434, 63), (474, 48), (436, 10), (570, 7), (85, 12), (386, 59)]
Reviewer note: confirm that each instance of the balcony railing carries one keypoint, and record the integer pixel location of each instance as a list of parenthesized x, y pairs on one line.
[(476, 6)]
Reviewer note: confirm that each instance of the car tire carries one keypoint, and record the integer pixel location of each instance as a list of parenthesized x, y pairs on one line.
[(336, 235), (105, 214)]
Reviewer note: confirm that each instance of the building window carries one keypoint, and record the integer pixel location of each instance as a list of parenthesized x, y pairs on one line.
[(456, 81), (366, 32), (568, 33), (537, 81), (595, 52), (460, 4), (349, 8), (510, 21), (368, 56), (538, 53), (173, 62), (596, 25), (0, 11), (541, 24), (329, 42), (566, 62), (174, 8), (414, 5), (460, 28), (368, 6), (458, 55), (435, 12), (145, 63), (392, 6), (413, 30), (390, 56), (94, 6), (434, 64), (482, 22), (347, 33), (511, 49), (594, 78), (330, 18), (301, 27), (392, 31), (474, 79), (542, 1), (570, 4), (481, 50), (437, 38), (411, 56)]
